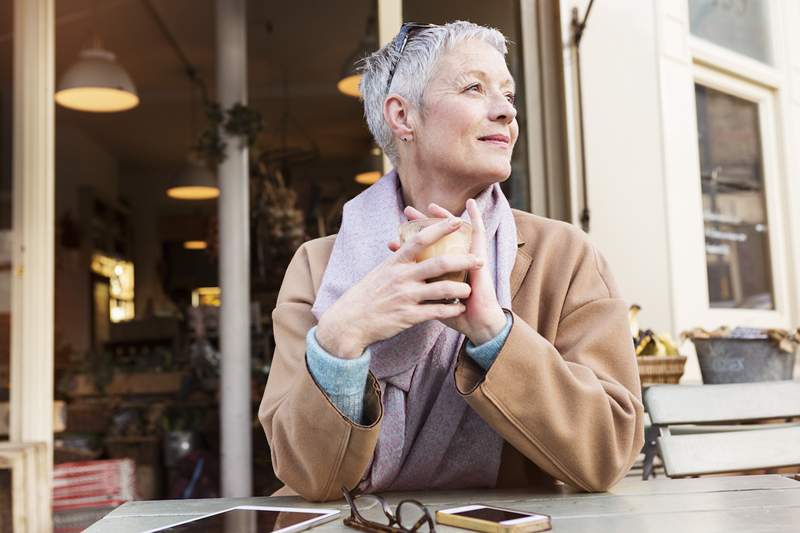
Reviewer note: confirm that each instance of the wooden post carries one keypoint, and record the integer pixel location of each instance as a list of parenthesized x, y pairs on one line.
[(32, 284), (390, 17)]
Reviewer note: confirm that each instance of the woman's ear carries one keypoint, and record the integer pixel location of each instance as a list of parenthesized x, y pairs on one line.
[(396, 113)]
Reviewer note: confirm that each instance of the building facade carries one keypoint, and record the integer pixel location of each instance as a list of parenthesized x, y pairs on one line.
[(692, 119)]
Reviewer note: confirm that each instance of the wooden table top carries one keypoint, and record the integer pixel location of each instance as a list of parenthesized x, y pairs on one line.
[(702, 505)]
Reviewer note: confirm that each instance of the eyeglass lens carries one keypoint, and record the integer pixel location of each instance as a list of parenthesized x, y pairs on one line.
[(371, 508), (409, 515), (412, 516)]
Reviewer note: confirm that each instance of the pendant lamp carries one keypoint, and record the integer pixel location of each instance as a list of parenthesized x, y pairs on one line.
[(96, 83), (371, 167), (350, 78), (194, 182)]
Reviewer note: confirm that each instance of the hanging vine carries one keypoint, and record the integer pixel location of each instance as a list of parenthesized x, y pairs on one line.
[(277, 225), (238, 121)]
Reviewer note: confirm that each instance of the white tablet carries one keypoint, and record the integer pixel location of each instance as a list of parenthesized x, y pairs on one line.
[(253, 519)]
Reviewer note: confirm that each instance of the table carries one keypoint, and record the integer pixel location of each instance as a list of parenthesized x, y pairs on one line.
[(703, 505)]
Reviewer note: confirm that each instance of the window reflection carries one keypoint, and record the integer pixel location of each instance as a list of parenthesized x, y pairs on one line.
[(740, 25), (734, 207)]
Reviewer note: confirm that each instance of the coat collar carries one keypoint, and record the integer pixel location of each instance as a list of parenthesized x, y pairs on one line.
[(520, 238), (521, 264)]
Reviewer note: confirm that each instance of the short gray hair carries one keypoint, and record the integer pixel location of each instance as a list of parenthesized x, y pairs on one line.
[(413, 71)]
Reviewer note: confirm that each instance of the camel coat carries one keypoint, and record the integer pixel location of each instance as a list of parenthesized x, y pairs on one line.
[(563, 392)]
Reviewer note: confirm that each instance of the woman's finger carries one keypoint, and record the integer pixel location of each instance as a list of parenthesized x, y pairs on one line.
[(413, 214), (444, 264), (394, 245), (443, 290), (478, 247), (440, 311), (412, 247), (439, 211)]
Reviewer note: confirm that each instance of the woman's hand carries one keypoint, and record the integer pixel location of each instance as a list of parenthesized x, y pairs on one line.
[(390, 299), (483, 318)]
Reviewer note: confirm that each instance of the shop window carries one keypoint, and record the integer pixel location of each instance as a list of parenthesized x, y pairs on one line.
[(739, 25), (735, 217)]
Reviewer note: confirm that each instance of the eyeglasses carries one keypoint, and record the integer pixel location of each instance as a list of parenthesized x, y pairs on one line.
[(407, 30), (370, 512)]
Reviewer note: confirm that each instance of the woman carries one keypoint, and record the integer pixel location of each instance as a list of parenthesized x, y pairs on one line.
[(530, 377)]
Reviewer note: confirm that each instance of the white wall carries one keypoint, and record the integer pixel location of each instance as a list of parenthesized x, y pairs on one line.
[(621, 105)]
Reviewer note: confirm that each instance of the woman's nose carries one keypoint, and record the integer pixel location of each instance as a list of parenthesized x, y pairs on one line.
[(502, 110)]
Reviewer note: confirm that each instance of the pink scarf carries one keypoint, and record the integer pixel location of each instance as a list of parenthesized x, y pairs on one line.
[(429, 436)]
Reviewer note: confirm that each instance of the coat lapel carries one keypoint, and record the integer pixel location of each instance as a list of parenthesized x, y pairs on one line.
[(521, 265)]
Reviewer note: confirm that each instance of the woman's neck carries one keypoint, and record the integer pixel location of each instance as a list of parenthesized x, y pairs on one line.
[(419, 191)]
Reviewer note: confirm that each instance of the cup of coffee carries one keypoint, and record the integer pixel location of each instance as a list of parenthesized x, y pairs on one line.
[(455, 243)]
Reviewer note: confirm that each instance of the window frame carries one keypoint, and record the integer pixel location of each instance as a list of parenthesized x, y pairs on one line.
[(766, 98)]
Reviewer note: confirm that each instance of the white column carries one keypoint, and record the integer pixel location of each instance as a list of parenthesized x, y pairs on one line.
[(534, 109), (390, 17), (234, 260), (32, 284)]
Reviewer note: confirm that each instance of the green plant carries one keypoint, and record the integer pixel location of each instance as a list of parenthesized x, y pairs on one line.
[(239, 120)]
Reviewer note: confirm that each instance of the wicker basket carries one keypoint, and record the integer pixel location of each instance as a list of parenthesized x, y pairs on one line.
[(659, 369)]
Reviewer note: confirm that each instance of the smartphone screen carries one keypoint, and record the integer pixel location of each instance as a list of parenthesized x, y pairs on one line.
[(492, 514)]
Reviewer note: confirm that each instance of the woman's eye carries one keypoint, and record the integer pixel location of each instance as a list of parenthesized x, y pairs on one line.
[(511, 98), (474, 87)]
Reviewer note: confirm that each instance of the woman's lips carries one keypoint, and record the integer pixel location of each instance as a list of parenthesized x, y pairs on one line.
[(500, 140)]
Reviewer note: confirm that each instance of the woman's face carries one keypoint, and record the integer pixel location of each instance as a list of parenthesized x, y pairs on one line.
[(468, 126)]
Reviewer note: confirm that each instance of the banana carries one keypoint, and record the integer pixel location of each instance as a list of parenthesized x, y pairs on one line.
[(647, 342)]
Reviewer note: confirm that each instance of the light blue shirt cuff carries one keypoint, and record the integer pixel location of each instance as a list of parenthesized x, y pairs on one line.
[(485, 354), (342, 380)]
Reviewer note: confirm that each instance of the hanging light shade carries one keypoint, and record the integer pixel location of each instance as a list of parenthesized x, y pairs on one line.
[(195, 245), (349, 84), (195, 182), (97, 83), (350, 78), (371, 167), (368, 178)]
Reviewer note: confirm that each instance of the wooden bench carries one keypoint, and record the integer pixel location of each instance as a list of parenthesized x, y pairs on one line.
[(709, 429)]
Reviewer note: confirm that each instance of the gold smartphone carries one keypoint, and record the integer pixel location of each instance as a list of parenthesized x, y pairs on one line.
[(493, 519)]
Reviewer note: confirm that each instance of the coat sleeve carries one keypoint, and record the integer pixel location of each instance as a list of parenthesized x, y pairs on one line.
[(572, 406), (315, 448)]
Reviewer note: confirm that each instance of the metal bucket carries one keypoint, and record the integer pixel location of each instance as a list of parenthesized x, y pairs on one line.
[(731, 360)]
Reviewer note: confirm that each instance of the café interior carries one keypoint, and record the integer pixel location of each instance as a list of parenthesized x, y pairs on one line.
[(137, 242)]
